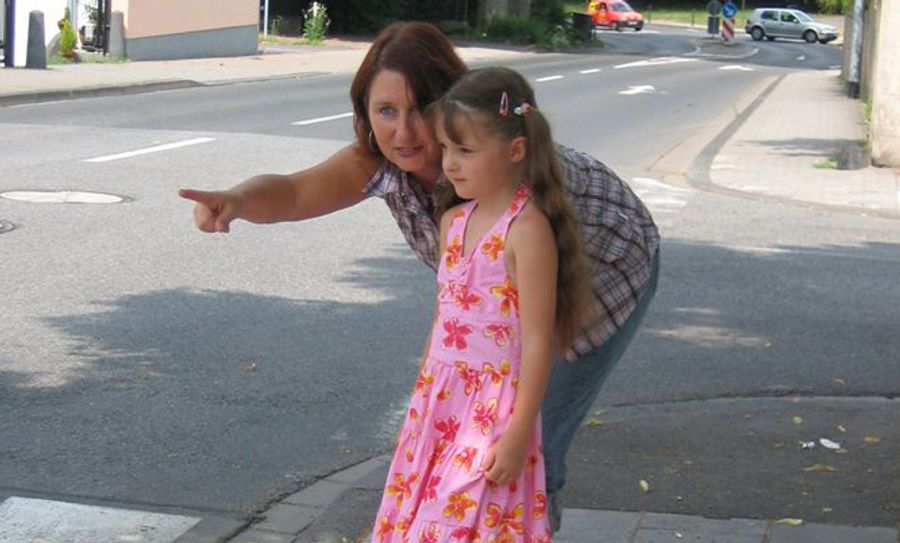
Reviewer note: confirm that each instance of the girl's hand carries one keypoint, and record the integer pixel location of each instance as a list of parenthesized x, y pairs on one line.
[(505, 459), (214, 210)]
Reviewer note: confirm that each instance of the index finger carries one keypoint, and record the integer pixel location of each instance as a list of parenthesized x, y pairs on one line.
[(204, 197)]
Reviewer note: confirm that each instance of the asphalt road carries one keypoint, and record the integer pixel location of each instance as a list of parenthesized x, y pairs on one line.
[(143, 362)]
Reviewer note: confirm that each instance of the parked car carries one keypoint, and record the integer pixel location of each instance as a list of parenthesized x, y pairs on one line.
[(615, 14), (772, 23)]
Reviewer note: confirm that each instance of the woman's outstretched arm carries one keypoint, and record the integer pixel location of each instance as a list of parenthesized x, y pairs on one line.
[(331, 185)]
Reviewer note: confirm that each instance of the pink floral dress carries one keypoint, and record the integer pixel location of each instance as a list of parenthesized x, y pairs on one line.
[(463, 398)]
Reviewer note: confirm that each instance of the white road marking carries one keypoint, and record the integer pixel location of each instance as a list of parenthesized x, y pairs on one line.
[(26, 519), (655, 62), (322, 119), (148, 150), (548, 78), (736, 67), (646, 181), (639, 89), (591, 71), (809, 252), (801, 57), (61, 197)]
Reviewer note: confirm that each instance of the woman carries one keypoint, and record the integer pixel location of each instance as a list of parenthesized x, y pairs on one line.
[(395, 157)]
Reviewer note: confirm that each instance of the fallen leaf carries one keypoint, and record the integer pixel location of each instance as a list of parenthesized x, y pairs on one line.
[(790, 521), (679, 535), (679, 498), (599, 412), (827, 510), (798, 420), (593, 422), (840, 381), (841, 429), (872, 438), (828, 444), (250, 367), (645, 486), (815, 468), (807, 444)]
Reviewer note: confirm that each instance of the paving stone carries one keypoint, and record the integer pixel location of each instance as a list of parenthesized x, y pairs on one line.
[(657, 535), (212, 530), (319, 494), (260, 536), (587, 526), (823, 533), (353, 473), (288, 519), (694, 524)]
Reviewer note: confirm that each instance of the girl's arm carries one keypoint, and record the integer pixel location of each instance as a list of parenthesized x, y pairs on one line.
[(328, 186), (534, 261)]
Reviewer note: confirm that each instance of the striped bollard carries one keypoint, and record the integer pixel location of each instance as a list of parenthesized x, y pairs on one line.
[(727, 29)]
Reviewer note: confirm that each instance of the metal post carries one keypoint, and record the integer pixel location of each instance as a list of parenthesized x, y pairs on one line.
[(855, 50), (10, 34), (266, 20)]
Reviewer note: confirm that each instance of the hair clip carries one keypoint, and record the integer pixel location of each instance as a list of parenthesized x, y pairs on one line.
[(522, 110), (504, 104)]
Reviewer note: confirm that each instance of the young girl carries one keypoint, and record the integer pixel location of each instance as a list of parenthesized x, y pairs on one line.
[(512, 289)]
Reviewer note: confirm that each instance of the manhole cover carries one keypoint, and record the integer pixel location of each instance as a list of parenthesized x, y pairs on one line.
[(61, 197)]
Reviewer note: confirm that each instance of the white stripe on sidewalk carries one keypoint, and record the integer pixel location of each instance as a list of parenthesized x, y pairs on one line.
[(548, 78), (322, 119), (148, 150), (591, 71)]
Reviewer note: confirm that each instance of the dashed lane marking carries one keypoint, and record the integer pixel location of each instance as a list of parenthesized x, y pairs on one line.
[(639, 89), (323, 119), (735, 68), (548, 78), (591, 71), (148, 150), (655, 62)]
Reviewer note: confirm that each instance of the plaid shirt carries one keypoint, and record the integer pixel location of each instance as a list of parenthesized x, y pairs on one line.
[(620, 238)]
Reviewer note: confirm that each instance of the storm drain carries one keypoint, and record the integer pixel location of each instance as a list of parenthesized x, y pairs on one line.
[(62, 197)]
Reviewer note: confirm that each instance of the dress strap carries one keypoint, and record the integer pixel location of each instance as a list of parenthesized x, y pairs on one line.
[(523, 195)]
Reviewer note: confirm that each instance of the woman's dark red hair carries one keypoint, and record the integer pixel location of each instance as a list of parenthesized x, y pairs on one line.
[(417, 50)]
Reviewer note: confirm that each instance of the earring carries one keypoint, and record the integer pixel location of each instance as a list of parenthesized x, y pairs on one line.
[(373, 145)]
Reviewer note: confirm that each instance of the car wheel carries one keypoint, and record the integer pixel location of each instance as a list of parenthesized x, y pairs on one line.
[(639, 27), (810, 36), (757, 33), (617, 27)]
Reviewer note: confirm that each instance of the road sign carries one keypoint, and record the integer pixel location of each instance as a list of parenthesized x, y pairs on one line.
[(729, 11), (713, 7)]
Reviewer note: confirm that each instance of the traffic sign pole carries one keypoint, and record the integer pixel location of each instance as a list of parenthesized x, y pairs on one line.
[(729, 11)]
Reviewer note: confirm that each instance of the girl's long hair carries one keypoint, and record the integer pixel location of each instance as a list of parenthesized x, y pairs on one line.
[(476, 100)]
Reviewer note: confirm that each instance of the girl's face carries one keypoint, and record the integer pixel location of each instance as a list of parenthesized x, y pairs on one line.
[(480, 164), (400, 129)]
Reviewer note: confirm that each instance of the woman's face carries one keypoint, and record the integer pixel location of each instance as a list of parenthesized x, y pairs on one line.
[(400, 129)]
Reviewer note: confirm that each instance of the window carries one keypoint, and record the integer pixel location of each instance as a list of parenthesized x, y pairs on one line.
[(769, 16), (788, 17)]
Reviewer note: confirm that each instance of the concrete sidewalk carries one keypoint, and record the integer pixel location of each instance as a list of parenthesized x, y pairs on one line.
[(779, 147)]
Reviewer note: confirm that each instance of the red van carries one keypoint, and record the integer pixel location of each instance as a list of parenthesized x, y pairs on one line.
[(615, 14)]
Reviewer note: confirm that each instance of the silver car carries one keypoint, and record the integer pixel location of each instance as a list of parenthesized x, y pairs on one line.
[(772, 23)]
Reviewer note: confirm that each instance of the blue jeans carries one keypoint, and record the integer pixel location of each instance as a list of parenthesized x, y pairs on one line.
[(571, 392)]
